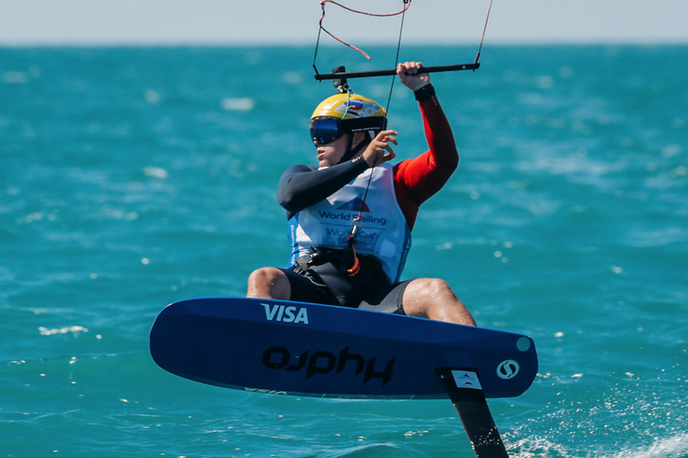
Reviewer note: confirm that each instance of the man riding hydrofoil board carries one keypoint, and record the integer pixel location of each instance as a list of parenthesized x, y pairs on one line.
[(350, 218)]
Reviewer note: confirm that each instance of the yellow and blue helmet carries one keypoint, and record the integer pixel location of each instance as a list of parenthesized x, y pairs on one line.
[(346, 113)]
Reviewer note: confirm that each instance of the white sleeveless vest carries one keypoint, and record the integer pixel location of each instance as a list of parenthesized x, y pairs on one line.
[(383, 231)]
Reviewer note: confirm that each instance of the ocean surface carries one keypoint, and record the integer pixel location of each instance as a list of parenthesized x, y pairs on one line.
[(135, 177)]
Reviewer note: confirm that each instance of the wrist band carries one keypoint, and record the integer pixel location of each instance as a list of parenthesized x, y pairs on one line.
[(424, 93), (361, 162)]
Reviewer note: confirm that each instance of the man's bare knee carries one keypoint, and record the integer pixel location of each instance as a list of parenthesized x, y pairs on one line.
[(437, 289), (268, 283), (264, 274), (433, 298), (428, 291)]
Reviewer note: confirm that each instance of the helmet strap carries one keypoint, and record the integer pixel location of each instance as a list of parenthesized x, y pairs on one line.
[(351, 152)]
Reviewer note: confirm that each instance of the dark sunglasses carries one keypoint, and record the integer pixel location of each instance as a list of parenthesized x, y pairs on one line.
[(325, 130)]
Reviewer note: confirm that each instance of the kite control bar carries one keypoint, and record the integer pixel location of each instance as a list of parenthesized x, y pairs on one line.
[(345, 75)]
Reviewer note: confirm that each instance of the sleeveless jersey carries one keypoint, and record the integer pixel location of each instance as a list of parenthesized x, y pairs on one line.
[(383, 232)]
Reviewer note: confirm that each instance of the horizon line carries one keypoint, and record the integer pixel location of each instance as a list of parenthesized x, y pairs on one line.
[(298, 43)]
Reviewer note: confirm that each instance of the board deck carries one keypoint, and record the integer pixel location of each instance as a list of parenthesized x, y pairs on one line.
[(319, 350)]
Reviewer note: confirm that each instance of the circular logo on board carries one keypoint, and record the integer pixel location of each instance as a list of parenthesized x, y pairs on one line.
[(508, 369)]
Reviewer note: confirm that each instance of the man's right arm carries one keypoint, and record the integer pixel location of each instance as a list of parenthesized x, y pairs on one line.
[(302, 186)]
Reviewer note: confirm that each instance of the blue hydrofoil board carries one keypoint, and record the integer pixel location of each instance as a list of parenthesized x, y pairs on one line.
[(319, 350)]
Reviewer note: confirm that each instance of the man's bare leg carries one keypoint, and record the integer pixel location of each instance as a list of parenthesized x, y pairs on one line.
[(268, 283), (433, 298)]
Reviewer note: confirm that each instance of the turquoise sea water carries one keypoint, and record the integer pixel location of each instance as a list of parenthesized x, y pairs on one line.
[(134, 177)]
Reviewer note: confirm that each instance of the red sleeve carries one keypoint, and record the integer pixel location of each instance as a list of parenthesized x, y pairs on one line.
[(416, 180)]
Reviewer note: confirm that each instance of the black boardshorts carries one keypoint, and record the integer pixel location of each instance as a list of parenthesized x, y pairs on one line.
[(325, 284)]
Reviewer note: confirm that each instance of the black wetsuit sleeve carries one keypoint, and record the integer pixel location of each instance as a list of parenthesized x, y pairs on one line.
[(302, 186)]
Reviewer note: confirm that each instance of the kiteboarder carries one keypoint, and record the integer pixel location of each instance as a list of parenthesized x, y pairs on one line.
[(350, 218)]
